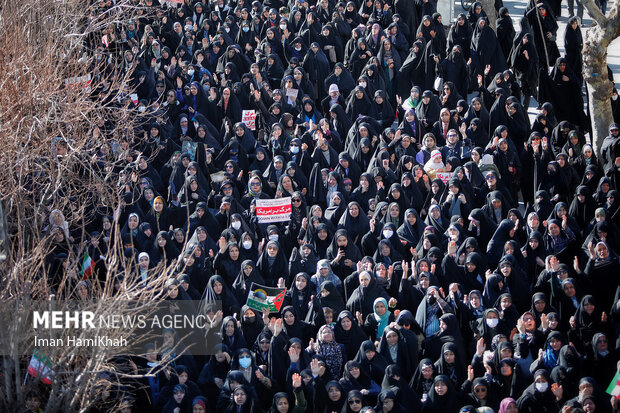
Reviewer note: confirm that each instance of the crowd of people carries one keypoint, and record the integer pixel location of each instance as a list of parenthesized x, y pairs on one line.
[(414, 279)]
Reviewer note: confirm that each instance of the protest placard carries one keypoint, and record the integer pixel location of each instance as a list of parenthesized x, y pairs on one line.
[(444, 176), (248, 117), (273, 210)]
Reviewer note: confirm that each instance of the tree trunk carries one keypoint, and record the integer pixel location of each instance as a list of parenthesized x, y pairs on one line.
[(489, 7), (599, 86), (597, 40)]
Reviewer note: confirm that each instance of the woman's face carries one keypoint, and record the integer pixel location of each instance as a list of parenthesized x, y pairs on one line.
[(345, 323), (602, 251), (217, 287), (354, 211), (341, 241), (83, 292), (411, 219), (230, 328), (394, 211), (441, 388), (133, 222), (326, 335), (392, 338), (555, 344), (289, 318), (474, 300), (272, 250), (334, 394), (480, 391), (240, 397), (234, 253), (380, 308), (539, 305), (282, 405)]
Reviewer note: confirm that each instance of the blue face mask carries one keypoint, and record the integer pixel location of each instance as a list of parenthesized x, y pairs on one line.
[(246, 29), (245, 361)]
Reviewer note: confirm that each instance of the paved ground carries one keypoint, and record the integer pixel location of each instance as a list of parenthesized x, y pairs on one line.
[(516, 9)]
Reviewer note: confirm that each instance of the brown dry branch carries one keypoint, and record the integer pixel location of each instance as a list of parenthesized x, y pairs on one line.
[(42, 43)]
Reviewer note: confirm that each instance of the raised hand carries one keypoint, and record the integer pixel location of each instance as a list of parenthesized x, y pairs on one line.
[(222, 244), (292, 355), (480, 347), (314, 367)]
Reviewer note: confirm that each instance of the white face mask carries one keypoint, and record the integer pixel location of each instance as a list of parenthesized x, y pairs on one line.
[(542, 387), (236, 224), (614, 97), (298, 48), (387, 233), (282, 27), (141, 109), (294, 149), (273, 237), (363, 84), (247, 244), (191, 72), (492, 322)]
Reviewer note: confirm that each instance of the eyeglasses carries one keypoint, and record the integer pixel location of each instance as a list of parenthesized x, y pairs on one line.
[(296, 200), (255, 184), (452, 135), (229, 167), (480, 390), (355, 401), (489, 178)]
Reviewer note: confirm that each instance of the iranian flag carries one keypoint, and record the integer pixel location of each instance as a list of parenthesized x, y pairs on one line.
[(273, 210), (88, 266), (614, 386), (40, 367)]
